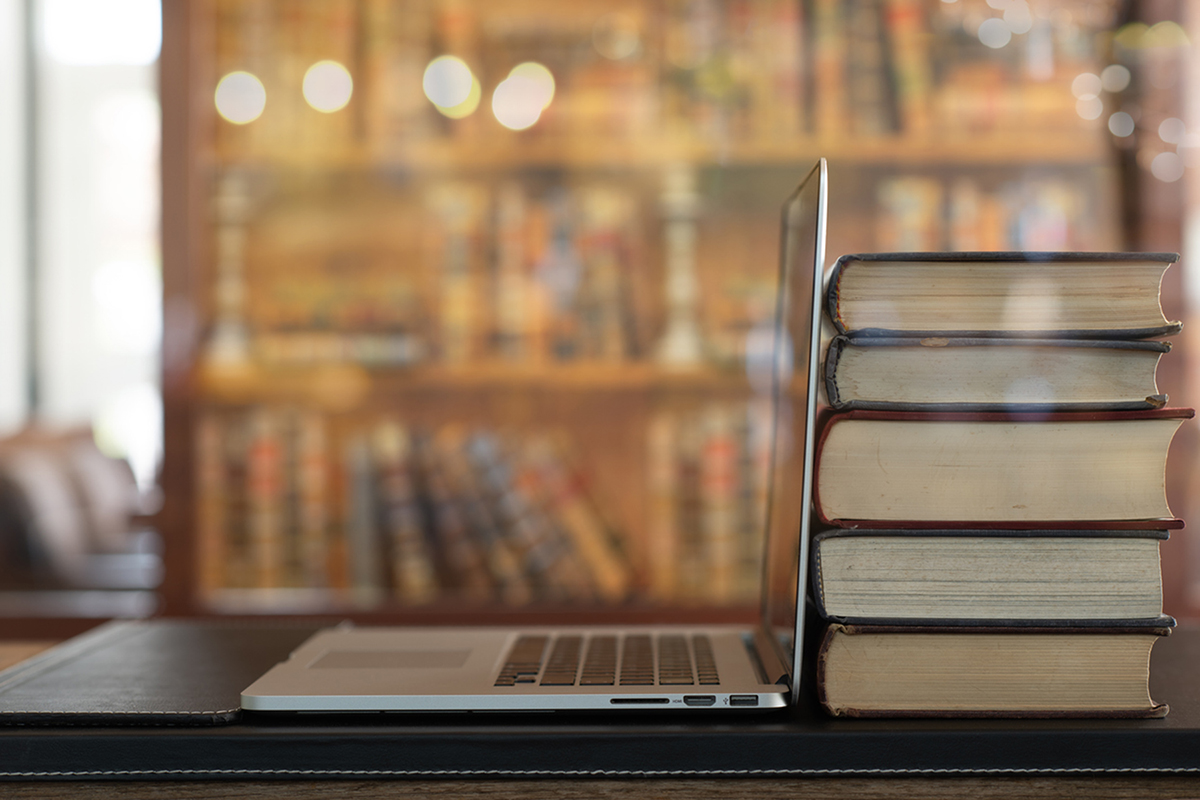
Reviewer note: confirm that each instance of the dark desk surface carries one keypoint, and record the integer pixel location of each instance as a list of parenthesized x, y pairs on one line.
[(773, 755)]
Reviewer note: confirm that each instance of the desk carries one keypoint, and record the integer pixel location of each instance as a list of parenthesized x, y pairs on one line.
[(1174, 742), (991, 788)]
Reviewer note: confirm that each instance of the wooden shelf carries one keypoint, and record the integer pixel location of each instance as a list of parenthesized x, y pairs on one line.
[(346, 386), (338, 606), (506, 152)]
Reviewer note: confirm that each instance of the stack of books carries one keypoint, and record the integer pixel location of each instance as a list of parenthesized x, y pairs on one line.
[(992, 480)]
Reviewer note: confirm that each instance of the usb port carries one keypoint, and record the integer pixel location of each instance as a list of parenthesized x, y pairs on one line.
[(699, 699), (743, 699)]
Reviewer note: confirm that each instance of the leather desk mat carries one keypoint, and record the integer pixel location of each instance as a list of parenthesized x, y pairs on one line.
[(99, 720)]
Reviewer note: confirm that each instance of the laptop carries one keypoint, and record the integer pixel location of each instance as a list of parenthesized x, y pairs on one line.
[(626, 668)]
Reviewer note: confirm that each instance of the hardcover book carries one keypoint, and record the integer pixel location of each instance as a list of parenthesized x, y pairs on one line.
[(995, 577), (941, 373), (1024, 470), (1033, 294), (865, 671)]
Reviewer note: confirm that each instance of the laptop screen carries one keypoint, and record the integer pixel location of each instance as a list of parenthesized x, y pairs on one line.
[(796, 356)]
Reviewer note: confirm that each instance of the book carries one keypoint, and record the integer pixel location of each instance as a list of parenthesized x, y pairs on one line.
[(995, 469), (264, 498), (364, 552), (568, 501), (865, 671), (1033, 294), (941, 373), (411, 572), (996, 576), (461, 565)]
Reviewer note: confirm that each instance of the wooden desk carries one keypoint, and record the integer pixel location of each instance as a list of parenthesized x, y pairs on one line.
[(16, 652)]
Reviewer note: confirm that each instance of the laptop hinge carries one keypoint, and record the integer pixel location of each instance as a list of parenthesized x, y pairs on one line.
[(774, 670)]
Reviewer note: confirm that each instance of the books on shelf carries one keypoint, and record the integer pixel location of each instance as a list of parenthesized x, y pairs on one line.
[(678, 74), (387, 513), (989, 552), (706, 496)]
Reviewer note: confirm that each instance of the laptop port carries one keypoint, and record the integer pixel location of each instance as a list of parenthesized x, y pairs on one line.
[(636, 701), (743, 699), (699, 699)]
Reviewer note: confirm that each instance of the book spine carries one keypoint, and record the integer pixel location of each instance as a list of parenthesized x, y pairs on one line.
[(559, 569), (312, 456), (411, 571), (461, 565), (212, 505), (663, 529), (718, 463), (363, 551), (264, 481), (592, 537)]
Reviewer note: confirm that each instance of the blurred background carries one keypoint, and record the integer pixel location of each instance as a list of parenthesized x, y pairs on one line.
[(421, 309)]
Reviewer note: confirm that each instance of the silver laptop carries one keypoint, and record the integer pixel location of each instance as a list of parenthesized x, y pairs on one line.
[(372, 669)]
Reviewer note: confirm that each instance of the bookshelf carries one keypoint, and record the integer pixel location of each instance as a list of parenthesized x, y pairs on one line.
[(421, 366)]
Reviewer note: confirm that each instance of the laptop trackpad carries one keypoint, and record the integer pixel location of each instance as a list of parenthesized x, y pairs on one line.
[(391, 659)]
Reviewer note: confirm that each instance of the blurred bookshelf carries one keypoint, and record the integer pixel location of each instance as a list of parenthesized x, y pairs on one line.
[(422, 366)]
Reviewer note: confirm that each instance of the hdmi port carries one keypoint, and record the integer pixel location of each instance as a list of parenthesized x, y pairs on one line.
[(699, 699)]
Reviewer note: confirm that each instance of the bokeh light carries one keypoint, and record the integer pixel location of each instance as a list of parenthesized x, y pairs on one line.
[(328, 86), (1171, 130), (1017, 17), (541, 78), (240, 97), (1086, 86), (520, 99), (467, 107), (1115, 78), (1089, 107), (1166, 34), (1121, 124), (994, 33), (448, 82), (1167, 167), (517, 102)]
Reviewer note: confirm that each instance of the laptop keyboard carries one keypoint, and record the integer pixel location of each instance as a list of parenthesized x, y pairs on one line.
[(611, 661)]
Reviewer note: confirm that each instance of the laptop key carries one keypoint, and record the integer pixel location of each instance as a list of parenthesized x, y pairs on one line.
[(674, 661), (600, 666), (637, 661), (563, 661), (706, 663), (524, 661)]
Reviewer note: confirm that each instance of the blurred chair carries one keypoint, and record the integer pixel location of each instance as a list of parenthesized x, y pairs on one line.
[(71, 517)]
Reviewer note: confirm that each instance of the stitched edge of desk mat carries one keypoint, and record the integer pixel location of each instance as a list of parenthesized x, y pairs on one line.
[(578, 773)]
